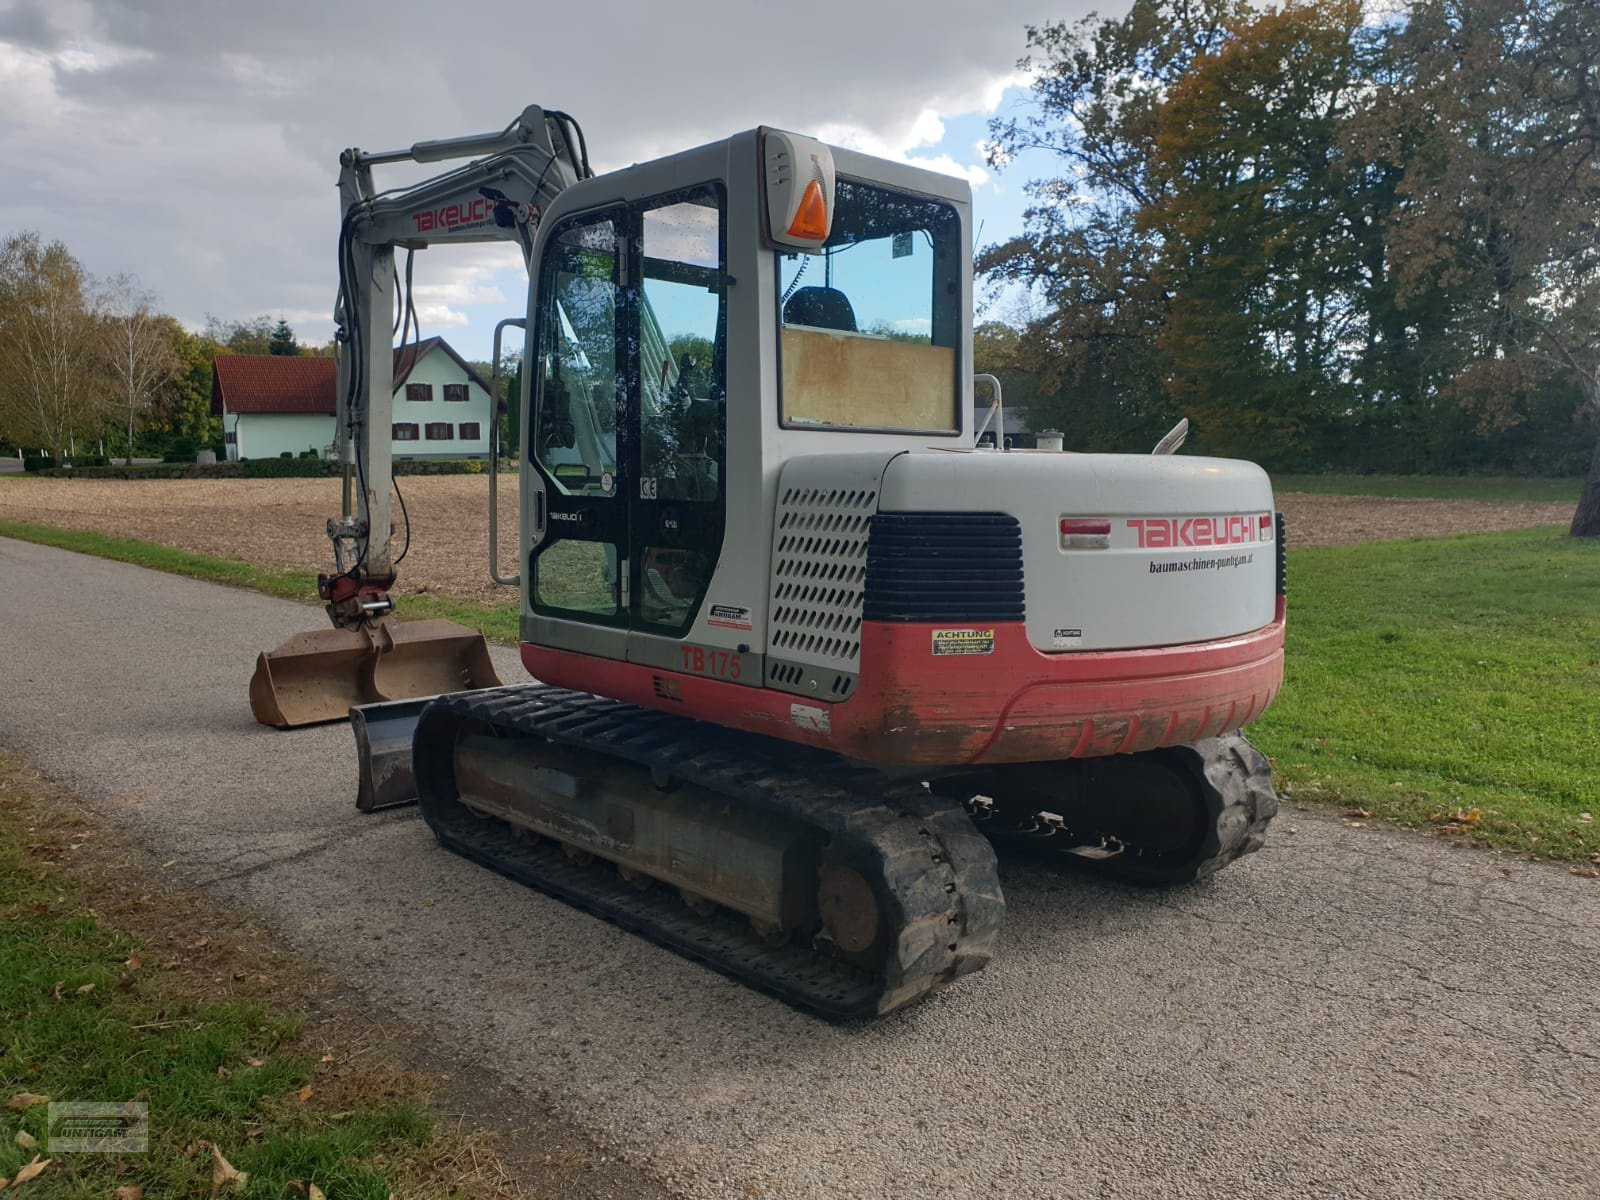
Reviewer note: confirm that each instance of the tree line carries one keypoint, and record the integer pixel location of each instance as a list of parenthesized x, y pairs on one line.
[(91, 363), (1335, 236)]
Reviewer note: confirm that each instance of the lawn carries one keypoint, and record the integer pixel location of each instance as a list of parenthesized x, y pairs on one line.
[(1448, 682), (1438, 487)]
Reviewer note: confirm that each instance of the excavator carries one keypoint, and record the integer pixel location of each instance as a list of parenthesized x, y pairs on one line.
[(808, 654)]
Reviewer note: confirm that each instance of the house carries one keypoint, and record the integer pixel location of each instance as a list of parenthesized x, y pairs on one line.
[(276, 404)]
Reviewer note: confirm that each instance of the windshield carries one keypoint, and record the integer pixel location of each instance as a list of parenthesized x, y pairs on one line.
[(871, 326)]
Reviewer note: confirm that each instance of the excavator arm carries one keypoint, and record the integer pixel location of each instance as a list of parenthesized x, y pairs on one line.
[(499, 195)]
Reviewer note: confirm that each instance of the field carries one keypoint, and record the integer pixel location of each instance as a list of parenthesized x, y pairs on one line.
[(279, 523)]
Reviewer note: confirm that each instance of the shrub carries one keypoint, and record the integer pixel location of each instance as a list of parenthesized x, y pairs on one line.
[(287, 467), (37, 462), (181, 452)]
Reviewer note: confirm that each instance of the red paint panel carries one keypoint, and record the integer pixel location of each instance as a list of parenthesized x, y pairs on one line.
[(914, 707)]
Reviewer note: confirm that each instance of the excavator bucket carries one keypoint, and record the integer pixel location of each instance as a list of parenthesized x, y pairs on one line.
[(321, 675)]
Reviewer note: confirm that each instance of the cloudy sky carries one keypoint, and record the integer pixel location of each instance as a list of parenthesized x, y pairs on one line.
[(194, 143)]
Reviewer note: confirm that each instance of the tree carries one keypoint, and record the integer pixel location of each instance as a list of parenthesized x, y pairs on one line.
[(1500, 212), (1099, 283), (47, 383), (135, 348), (1257, 209), (185, 414), (282, 340), (241, 337)]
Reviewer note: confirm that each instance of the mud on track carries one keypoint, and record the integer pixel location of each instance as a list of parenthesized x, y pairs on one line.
[(280, 522)]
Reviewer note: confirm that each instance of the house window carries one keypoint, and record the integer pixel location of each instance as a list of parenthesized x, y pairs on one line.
[(231, 438), (439, 431), (455, 393), (471, 431), (404, 431), (419, 393)]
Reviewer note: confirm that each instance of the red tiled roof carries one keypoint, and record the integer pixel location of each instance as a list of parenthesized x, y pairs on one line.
[(273, 383)]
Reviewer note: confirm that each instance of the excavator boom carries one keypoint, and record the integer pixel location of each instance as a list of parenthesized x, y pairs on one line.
[(368, 657)]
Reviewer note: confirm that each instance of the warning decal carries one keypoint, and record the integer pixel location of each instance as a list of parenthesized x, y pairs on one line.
[(963, 641), (729, 616)]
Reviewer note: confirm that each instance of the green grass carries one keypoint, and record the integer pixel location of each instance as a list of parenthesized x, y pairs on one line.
[(498, 622), (1441, 487), (88, 1012), (1437, 677)]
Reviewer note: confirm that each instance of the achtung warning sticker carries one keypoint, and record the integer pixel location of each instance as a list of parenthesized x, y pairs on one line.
[(729, 616), (963, 641)]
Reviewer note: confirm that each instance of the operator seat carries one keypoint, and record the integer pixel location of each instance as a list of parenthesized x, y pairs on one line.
[(820, 308)]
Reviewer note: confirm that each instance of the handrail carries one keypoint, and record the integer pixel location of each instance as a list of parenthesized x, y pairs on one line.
[(997, 407), (494, 459)]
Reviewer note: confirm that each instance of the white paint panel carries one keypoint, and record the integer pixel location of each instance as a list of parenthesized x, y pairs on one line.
[(1128, 595)]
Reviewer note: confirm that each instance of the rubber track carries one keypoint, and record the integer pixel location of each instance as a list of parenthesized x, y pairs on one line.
[(938, 886), (1235, 782)]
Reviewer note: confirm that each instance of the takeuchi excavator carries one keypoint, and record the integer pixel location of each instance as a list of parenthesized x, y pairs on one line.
[(807, 651)]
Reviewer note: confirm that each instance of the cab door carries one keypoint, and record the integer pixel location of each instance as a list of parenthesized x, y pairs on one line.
[(627, 432), (577, 444), (678, 423)]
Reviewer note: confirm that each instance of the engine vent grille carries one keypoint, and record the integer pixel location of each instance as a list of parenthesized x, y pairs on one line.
[(931, 566), (819, 568)]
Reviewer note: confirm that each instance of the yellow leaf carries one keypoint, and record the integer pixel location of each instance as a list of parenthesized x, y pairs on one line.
[(315, 1193), (253, 1062), (26, 1140), (306, 1093), (224, 1175), (33, 1170), (131, 1192), (85, 989), (134, 963), (24, 1100)]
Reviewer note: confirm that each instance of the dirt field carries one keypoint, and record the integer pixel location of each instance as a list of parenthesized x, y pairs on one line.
[(280, 522)]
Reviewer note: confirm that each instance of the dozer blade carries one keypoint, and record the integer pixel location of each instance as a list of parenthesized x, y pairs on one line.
[(321, 675), (383, 752)]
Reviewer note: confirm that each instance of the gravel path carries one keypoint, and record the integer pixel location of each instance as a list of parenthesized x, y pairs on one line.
[(1350, 1012)]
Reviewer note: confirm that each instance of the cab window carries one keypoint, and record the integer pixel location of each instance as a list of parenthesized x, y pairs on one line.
[(869, 327)]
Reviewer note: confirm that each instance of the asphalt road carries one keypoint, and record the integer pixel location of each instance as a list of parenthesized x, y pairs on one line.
[(1351, 1012)]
